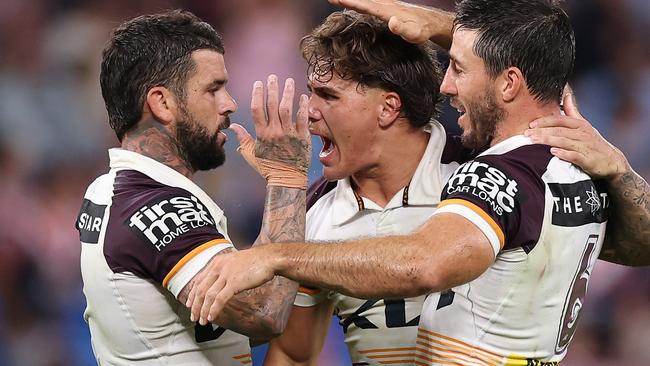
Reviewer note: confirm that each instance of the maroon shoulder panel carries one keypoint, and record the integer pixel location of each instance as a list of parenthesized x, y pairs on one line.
[(509, 188), (152, 226), (318, 189), (455, 151)]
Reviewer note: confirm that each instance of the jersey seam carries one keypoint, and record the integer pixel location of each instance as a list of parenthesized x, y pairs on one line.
[(129, 316)]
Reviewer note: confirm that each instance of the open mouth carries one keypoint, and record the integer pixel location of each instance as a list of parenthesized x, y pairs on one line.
[(221, 137), (459, 108), (328, 147)]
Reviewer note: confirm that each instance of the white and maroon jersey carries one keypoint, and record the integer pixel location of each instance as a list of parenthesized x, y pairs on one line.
[(145, 231), (545, 219), (379, 330)]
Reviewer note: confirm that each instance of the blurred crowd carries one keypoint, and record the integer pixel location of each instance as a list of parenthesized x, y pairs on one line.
[(54, 135)]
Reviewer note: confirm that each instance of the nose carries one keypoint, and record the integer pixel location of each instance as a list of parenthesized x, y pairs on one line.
[(314, 114), (448, 86), (229, 106)]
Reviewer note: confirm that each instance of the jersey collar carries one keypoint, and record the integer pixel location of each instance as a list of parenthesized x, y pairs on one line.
[(121, 159)]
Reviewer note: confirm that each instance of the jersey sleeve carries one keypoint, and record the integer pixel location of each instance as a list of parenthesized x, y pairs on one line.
[(167, 235), (308, 296), (502, 195)]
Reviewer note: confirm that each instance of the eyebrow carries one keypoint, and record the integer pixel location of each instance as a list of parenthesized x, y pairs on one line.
[(322, 89), (453, 58), (217, 83)]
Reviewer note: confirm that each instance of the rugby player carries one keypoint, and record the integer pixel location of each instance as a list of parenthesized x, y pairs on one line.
[(515, 236), (362, 102), (574, 139), (147, 230)]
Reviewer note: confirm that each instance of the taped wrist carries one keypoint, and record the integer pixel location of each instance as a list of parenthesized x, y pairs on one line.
[(281, 174), (276, 173)]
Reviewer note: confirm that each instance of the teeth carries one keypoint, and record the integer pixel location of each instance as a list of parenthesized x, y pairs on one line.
[(328, 147)]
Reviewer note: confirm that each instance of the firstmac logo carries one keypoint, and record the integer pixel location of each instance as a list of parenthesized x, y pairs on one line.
[(487, 183), (166, 219)]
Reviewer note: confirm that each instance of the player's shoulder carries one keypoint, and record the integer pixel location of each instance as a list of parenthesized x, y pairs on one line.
[(151, 224), (134, 190), (138, 198), (455, 151), (318, 190), (133, 182), (526, 160), (100, 190)]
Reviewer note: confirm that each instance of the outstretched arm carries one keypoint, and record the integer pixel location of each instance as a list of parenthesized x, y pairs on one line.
[(414, 23), (394, 266), (627, 240), (263, 312)]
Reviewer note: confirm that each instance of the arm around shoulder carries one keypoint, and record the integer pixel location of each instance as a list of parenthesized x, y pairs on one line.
[(627, 240)]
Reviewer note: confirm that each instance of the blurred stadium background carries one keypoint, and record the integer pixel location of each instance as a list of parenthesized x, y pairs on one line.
[(54, 135)]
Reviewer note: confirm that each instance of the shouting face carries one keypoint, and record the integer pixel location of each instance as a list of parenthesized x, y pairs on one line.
[(344, 114)]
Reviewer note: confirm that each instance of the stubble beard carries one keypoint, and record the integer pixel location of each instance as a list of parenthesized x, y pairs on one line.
[(485, 115)]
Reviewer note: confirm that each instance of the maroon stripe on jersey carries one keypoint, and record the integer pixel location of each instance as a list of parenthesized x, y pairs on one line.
[(455, 151), (318, 189), (509, 188), (152, 226)]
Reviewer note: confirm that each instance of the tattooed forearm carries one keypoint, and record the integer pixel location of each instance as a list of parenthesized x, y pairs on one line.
[(627, 240), (264, 311), (289, 150), (150, 139), (284, 217)]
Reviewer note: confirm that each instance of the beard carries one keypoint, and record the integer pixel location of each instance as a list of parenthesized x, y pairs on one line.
[(484, 114), (196, 146)]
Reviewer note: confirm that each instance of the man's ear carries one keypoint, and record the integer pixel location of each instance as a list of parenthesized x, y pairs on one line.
[(162, 104), (512, 82), (390, 109)]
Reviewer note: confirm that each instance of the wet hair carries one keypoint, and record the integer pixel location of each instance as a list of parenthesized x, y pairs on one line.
[(148, 51), (533, 35), (361, 48)]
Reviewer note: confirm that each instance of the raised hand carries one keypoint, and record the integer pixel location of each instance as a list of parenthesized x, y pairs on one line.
[(280, 153), (414, 23), (282, 149), (574, 139)]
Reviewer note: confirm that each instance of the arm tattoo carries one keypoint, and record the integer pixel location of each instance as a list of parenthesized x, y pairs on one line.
[(290, 150), (265, 310), (627, 241)]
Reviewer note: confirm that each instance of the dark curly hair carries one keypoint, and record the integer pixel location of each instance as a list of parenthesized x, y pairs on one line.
[(362, 48), (148, 51)]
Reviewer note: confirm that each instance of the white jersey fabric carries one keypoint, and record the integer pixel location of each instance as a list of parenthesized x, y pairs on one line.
[(145, 231), (545, 219), (379, 331)]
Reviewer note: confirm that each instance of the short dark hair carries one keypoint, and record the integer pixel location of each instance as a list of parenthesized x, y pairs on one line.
[(533, 35), (147, 51), (362, 48)]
